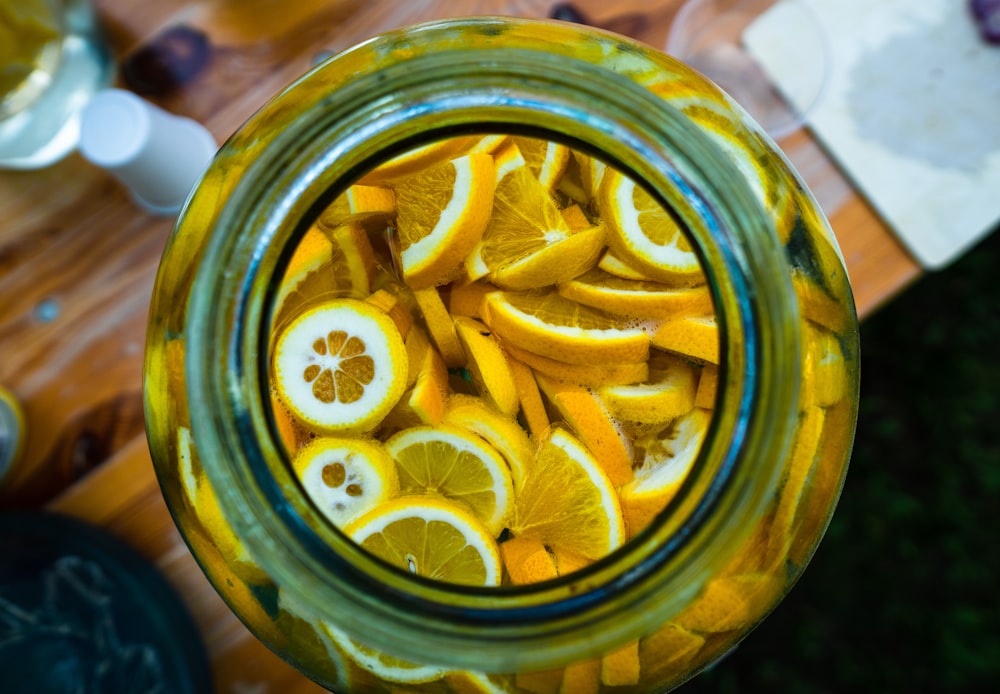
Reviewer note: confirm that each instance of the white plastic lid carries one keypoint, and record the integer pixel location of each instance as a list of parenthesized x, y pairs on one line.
[(157, 155)]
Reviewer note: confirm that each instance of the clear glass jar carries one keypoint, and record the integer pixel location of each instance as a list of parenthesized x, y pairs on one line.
[(679, 594)]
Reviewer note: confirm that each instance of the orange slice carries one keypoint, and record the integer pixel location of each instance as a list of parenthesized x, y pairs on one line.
[(497, 429), (487, 365), (588, 419), (592, 375), (668, 393), (567, 500), (525, 218), (546, 323), (441, 214), (440, 326), (546, 159), (558, 261), (449, 462), (359, 204), (419, 158), (333, 264), (636, 298), (345, 477), (430, 537), (666, 460), (340, 367), (643, 234), (695, 337)]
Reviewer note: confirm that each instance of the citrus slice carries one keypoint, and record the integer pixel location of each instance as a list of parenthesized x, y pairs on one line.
[(666, 459), (576, 218), (467, 299), (448, 462), (636, 298), (643, 234), (613, 265), (558, 261), (393, 306), (567, 501), (333, 264), (588, 419), (546, 323), (731, 602), (340, 367), (441, 214), (667, 394), (440, 326), (546, 159), (665, 654), (487, 365), (524, 219), (530, 398), (499, 430), (430, 537), (592, 375), (418, 159), (695, 337), (359, 204), (527, 561), (345, 477), (621, 667), (382, 665)]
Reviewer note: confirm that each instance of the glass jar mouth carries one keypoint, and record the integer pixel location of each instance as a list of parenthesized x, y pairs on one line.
[(325, 146)]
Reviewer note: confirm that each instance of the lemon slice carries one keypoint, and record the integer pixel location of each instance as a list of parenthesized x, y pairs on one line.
[(432, 538), (345, 477), (418, 159), (667, 458), (441, 214), (359, 204), (331, 264), (546, 159), (487, 365), (543, 322), (527, 561), (340, 367), (643, 234), (667, 394), (591, 375), (454, 464), (499, 430), (695, 337), (525, 218), (558, 261), (382, 665), (590, 421), (637, 298), (567, 501)]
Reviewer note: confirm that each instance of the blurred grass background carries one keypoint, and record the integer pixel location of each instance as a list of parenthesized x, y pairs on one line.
[(902, 595)]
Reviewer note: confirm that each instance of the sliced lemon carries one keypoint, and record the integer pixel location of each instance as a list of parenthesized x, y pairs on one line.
[(591, 375), (527, 561), (393, 306), (466, 299), (334, 264), (708, 387), (695, 337), (525, 218), (558, 261), (419, 158), (440, 326), (588, 419), (576, 218), (666, 459), (567, 501), (345, 477), (668, 393), (499, 430), (664, 654), (643, 234), (546, 323), (457, 465), (546, 159), (621, 667), (636, 298), (340, 367), (441, 214), (487, 365), (430, 537), (530, 398), (382, 665), (359, 204)]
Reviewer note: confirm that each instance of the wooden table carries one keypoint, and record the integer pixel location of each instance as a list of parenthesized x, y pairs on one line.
[(77, 262)]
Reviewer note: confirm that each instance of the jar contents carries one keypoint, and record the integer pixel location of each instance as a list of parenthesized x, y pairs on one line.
[(494, 344)]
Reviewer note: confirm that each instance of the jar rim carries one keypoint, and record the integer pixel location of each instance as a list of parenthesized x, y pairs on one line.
[(295, 170)]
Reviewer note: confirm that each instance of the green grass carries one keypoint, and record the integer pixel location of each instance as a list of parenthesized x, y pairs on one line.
[(902, 595)]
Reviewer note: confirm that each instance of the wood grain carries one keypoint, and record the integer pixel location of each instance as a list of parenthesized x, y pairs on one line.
[(78, 261)]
